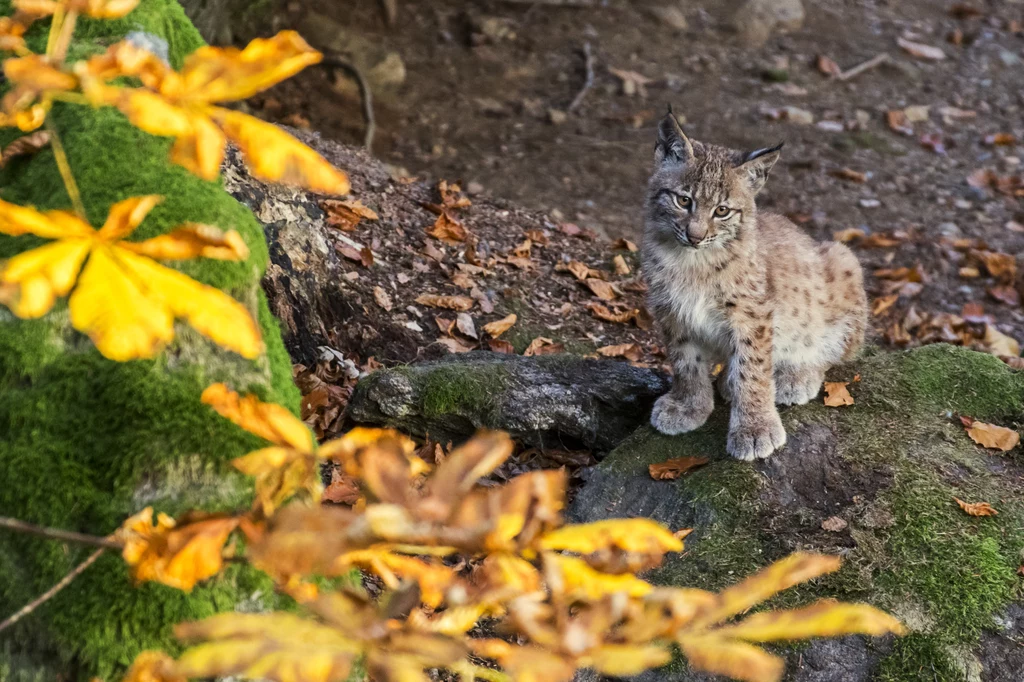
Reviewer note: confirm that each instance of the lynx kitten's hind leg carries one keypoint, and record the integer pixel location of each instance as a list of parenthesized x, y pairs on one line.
[(797, 385)]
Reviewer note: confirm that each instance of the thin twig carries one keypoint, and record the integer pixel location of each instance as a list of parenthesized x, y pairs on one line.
[(65, 170), (588, 82), (364, 93), (50, 593), (57, 534), (861, 68)]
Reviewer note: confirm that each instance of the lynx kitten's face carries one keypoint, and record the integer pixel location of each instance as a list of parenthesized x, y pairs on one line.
[(702, 196)]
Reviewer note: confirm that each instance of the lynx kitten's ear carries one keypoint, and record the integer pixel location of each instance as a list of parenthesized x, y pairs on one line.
[(757, 164), (673, 145)]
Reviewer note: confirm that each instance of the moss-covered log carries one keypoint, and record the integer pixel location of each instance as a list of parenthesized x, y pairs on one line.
[(85, 441), (885, 470)]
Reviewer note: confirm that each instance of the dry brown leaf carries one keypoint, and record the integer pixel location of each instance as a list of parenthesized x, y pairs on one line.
[(537, 237), (1000, 139), (898, 123), (920, 50), (603, 313), (999, 343), (883, 303), (363, 256), (622, 243), (524, 249), (1002, 266), (834, 524), (579, 270), (465, 324), (836, 394), (601, 289), (849, 174), (454, 345), (346, 215), (848, 235), (24, 145), (1005, 294), (450, 302), (501, 346), (447, 229), (993, 437), (674, 468), (918, 113), (542, 346), (444, 324), (827, 66), (499, 327), (632, 82), (382, 298), (619, 263), (630, 351), (343, 489), (976, 508), (879, 241)]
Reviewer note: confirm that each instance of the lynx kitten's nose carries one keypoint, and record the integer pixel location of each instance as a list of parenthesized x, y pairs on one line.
[(696, 233)]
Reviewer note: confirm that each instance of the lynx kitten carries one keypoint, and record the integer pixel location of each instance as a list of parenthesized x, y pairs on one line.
[(729, 284)]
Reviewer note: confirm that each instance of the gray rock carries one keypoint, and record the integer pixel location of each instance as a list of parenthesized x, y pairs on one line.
[(553, 401), (757, 20)]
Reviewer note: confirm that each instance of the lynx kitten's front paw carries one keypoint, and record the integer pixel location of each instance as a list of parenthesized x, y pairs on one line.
[(673, 416), (756, 437)]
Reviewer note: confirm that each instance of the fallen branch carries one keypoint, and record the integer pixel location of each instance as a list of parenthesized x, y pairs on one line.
[(57, 534), (365, 94), (588, 82), (861, 68), (50, 593)]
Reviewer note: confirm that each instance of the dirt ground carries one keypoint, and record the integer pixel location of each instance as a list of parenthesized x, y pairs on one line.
[(488, 84)]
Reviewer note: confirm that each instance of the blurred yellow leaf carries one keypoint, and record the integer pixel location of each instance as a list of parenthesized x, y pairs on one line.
[(12, 32), (272, 646), (506, 570), (35, 82), (632, 535), (268, 421), (626, 660), (738, 660), (526, 663), (580, 581), (180, 105), (97, 9), (153, 666), (178, 556), (433, 578), (125, 302), (823, 619)]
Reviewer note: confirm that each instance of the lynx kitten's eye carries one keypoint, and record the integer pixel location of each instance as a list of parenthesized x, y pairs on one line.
[(682, 202), (722, 211)]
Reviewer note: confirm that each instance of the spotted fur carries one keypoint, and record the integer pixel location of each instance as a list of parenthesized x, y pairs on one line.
[(747, 289)]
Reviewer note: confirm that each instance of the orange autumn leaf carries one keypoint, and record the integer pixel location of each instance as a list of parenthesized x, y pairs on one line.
[(346, 215), (632, 535), (97, 9), (543, 346), (35, 82), (447, 229), (461, 303), (601, 289), (177, 556), (499, 327), (433, 578), (992, 436), (629, 351), (976, 508), (674, 468), (124, 301), (180, 105), (153, 666), (602, 312), (836, 394), (12, 36)]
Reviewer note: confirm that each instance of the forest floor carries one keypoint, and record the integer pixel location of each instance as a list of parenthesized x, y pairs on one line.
[(917, 163)]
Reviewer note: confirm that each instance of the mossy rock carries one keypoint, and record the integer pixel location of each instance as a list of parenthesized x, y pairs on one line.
[(84, 441), (889, 466)]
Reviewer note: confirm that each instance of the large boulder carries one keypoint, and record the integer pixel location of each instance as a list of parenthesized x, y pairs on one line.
[(85, 441)]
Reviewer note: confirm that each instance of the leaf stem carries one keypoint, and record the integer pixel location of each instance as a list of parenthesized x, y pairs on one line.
[(55, 27), (65, 170), (67, 29), (57, 534), (50, 593)]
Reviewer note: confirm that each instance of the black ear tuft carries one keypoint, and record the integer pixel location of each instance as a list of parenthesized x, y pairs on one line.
[(758, 153), (758, 164), (673, 145)]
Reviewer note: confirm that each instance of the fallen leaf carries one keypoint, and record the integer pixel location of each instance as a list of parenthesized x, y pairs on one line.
[(579, 270), (499, 327), (883, 303), (444, 324), (633, 83), (933, 141), (828, 66), (363, 256), (1005, 294), (501, 346), (998, 139), (601, 289), (968, 272), (449, 302), (454, 345), (834, 524), (523, 250), (537, 237), (24, 145), (917, 114), (343, 489), (920, 50), (465, 324), (999, 343), (346, 215), (992, 436), (849, 174), (382, 298), (847, 235), (836, 394), (976, 508), (630, 351), (898, 123), (619, 263), (603, 313), (542, 346), (879, 241), (672, 469), (624, 244), (791, 114), (447, 229), (1002, 266)]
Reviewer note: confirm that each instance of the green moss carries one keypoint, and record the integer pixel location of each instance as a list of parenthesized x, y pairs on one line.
[(88, 441), (454, 390), (918, 658)]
